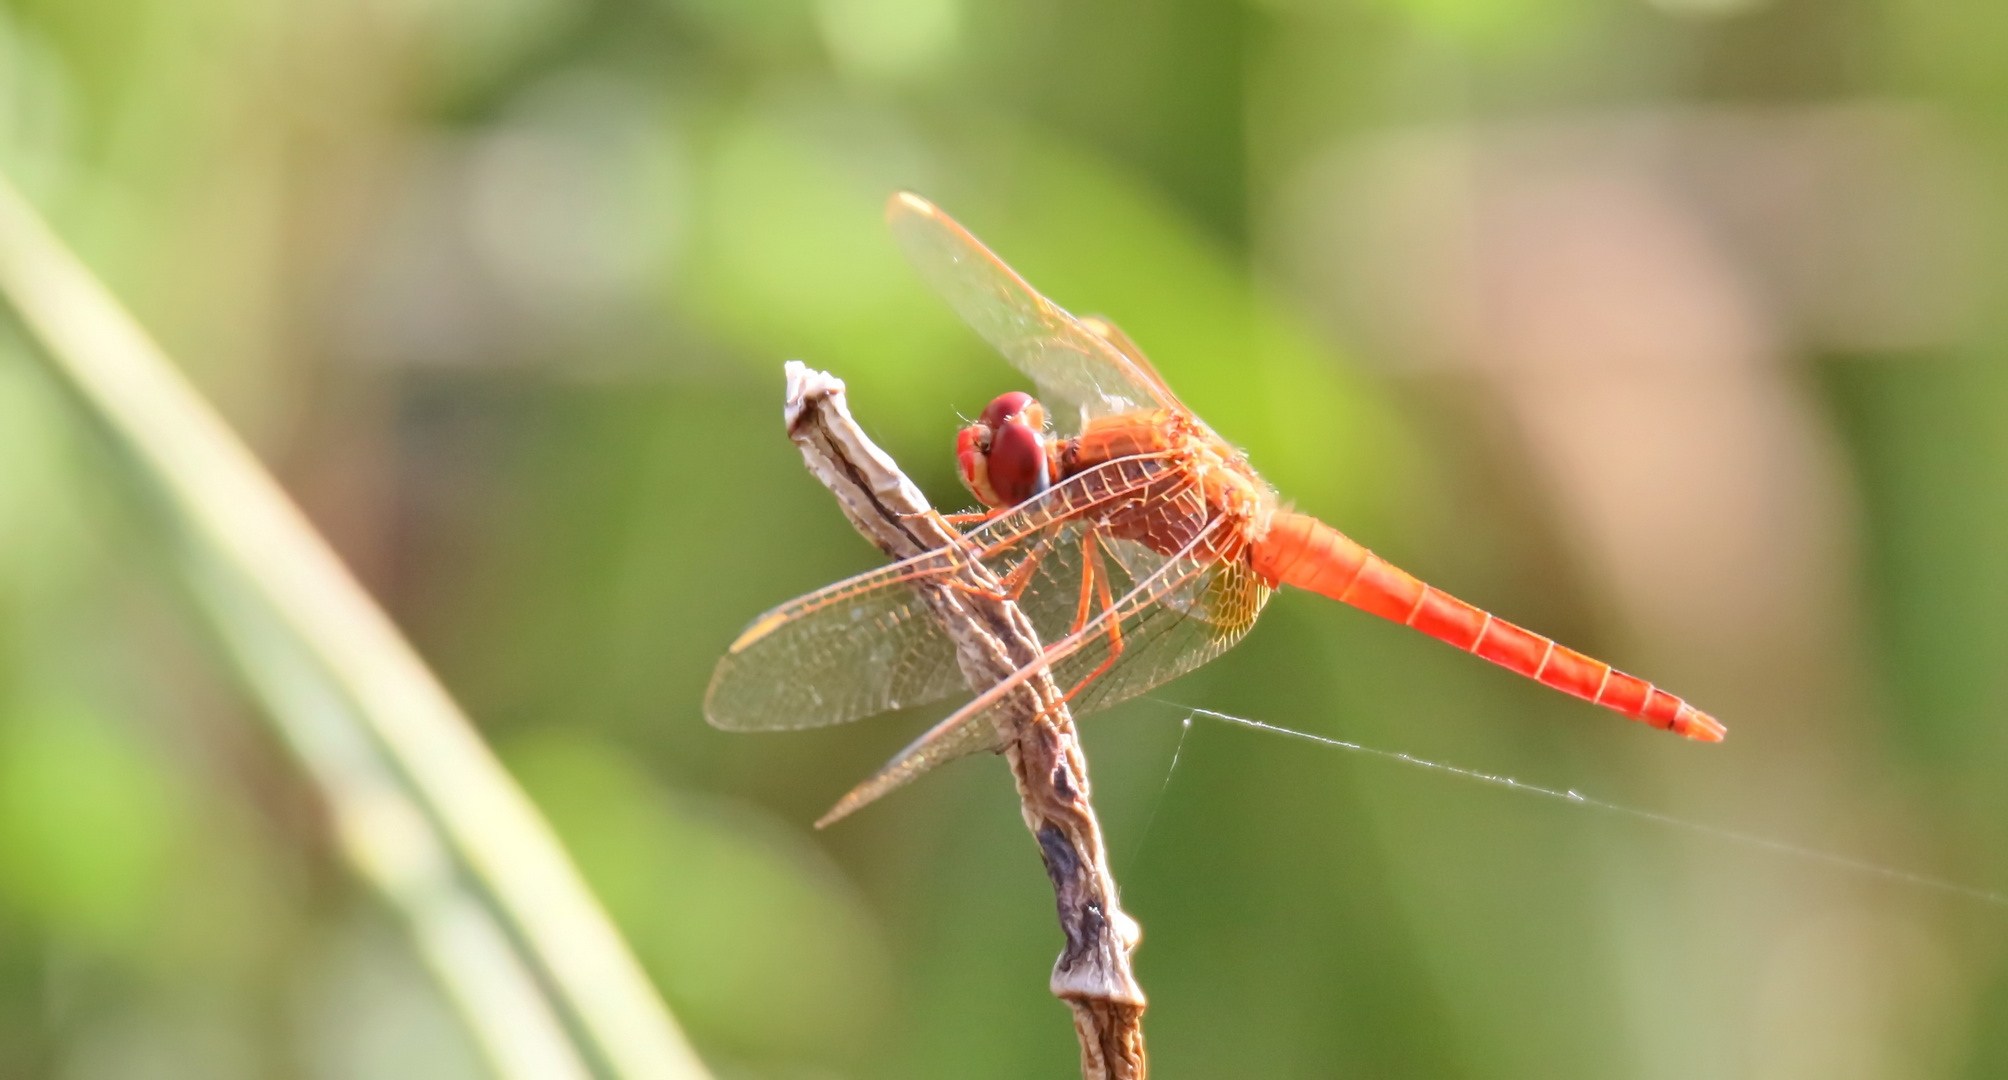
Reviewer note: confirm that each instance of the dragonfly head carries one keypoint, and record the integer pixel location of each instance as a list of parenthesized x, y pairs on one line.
[(1002, 456)]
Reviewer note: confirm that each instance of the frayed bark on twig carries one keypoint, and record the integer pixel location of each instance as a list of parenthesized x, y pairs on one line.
[(993, 639)]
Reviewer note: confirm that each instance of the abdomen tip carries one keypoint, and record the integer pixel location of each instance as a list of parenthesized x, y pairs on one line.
[(1698, 725)]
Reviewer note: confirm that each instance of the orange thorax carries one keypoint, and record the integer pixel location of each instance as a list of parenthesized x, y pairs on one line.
[(1204, 478)]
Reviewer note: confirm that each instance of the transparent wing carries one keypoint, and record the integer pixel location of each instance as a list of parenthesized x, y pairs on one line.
[(1181, 612), (1201, 616), (855, 649), (1072, 365), (872, 643), (1105, 328)]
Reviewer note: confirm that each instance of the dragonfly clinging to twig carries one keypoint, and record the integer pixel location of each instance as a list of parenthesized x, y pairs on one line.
[(1138, 542)]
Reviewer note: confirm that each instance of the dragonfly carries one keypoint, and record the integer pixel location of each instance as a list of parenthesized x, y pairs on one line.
[(1139, 543)]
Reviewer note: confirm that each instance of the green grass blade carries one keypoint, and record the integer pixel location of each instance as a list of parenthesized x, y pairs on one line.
[(401, 766)]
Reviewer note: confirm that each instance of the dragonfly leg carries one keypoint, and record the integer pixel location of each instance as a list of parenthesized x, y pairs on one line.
[(1021, 575), (1101, 583), (1012, 586), (973, 517), (1091, 568)]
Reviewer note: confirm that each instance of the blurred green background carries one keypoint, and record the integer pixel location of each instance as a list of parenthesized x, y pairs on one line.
[(1669, 327)]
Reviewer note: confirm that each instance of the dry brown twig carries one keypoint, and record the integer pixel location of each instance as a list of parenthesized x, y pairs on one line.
[(993, 639)]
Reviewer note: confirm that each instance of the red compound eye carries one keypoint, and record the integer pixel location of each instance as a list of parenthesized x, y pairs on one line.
[(1002, 456), (1018, 468), (1005, 407)]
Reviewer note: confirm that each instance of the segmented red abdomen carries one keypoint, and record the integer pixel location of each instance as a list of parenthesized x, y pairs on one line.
[(1302, 551)]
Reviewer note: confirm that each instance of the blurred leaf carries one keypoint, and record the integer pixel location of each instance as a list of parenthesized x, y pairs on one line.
[(88, 825), (37, 108), (1491, 24), (477, 42), (791, 258), (43, 541), (419, 804), (371, 1013), (759, 943), (890, 40)]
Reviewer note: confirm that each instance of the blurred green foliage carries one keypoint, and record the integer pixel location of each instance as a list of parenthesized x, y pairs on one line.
[(88, 821), (775, 932), (502, 290)]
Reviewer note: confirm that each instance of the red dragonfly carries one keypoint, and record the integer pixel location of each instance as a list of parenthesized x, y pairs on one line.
[(1138, 542)]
